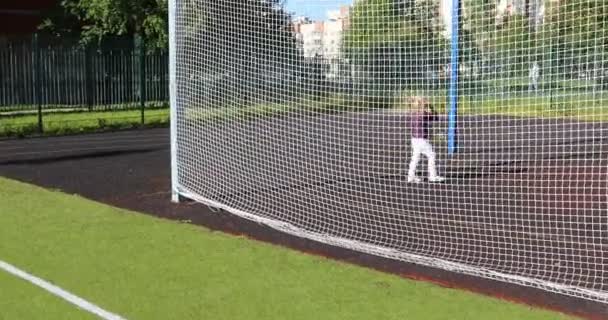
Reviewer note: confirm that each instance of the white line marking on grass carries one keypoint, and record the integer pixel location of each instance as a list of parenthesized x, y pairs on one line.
[(79, 302)]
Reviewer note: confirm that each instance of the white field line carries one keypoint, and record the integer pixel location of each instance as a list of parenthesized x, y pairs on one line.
[(77, 301)]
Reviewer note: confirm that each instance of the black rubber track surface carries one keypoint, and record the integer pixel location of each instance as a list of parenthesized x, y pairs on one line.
[(132, 170)]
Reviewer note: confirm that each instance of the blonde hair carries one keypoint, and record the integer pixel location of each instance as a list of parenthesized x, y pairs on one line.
[(419, 103)]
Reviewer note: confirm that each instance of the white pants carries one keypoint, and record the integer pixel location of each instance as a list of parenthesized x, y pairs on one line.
[(422, 146)]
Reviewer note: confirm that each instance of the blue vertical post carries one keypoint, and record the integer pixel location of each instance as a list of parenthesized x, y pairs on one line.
[(453, 94)]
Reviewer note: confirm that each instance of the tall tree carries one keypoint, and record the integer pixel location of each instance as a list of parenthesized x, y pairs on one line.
[(95, 20), (575, 34), (396, 44), (244, 49)]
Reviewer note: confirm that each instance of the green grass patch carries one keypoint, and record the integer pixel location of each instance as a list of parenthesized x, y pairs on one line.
[(571, 106), (61, 123), (565, 104), (580, 107), (328, 104), (146, 268)]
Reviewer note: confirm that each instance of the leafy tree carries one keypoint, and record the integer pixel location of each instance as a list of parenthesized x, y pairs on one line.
[(479, 26), (570, 40), (575, 34), (504, 46), (244, 49), (96, 20), (395, 44), (234, 49)]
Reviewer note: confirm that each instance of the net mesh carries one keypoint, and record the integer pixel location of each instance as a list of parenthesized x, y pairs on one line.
[(310, 116)]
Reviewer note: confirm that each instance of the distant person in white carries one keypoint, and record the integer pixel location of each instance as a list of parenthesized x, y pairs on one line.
[(534, 76), (421, 121)]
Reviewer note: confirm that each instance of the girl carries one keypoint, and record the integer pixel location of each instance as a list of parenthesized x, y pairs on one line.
[(421, 121)]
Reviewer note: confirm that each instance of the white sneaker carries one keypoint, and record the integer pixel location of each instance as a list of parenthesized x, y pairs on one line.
[(413, 180), (437, 179)]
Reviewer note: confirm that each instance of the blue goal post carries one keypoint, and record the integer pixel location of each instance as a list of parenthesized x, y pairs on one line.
[(453, 91)]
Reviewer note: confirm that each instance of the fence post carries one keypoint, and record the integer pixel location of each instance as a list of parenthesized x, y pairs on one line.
[(37, 81), (141, 51), (88, 65)]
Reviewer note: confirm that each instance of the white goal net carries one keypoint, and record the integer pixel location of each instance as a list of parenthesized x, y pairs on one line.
[(469, 136)]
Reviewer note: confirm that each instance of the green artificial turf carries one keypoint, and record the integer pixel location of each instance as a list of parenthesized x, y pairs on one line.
[(22, 300), (146, 268)]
